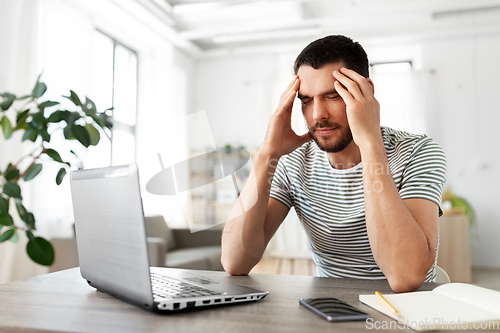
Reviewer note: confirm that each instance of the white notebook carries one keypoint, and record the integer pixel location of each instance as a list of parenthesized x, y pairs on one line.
[(452, 306)]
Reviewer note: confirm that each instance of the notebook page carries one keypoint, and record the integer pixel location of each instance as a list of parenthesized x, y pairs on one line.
[(427, 310), (478, 296)]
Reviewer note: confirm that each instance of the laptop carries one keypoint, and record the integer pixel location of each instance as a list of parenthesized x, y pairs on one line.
[(113, 250)]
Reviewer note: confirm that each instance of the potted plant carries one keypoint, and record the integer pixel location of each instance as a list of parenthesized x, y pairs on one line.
[(455, 204), (227, 148), (38, 120)]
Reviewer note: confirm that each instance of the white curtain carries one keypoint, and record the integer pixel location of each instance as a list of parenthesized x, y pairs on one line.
[(18, 61), (55, 36)]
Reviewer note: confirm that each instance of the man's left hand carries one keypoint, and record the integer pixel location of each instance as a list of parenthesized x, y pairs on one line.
[(363, 110)]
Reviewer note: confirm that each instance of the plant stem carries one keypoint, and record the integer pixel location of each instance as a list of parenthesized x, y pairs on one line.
[(25, 156), (22, 228), (31, 100), (32, 163)]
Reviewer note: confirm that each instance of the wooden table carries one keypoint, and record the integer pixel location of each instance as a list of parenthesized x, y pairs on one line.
[(63, 301)]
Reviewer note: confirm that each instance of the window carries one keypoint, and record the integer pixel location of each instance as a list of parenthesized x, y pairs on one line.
[(114, 84), (395, 91)]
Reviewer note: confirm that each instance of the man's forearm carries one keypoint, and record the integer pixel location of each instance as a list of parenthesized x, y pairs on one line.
[(244, 238), (398, 243)]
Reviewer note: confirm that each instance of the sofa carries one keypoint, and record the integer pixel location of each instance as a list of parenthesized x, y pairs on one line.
[(168, 247), (179, 248)]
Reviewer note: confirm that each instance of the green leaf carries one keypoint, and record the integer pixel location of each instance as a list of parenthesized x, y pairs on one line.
[(40, 251), (6, 127), (4, 205), (95, 137), (74, 98), (12, 190), (68, 132), (31, 134), (30, 235), (26, 216), (82, 135), (56, 116), (60, 176), (20, 208), (32, 172), (11, 173), (21, 118), (47, 104), (89, 107), (107, 122), (38, 119), (7, 235), (8, 99), (71, 117), (44, 133), (97, 120), (30, 220), (39, 89), (15, 237), (6, 219), (54, 155)]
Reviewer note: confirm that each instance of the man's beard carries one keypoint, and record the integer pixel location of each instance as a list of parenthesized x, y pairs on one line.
[(337, 146)]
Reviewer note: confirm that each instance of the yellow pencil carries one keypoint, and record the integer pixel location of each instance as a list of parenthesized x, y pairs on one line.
[(393, 309)]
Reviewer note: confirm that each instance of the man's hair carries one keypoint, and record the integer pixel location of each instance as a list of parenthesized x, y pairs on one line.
[(332, 49)]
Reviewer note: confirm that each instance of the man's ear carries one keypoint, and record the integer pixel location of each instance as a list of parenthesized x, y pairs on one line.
[(372, 86)]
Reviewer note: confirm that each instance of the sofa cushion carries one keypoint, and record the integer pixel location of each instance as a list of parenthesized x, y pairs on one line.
[(157, 227), (204, 258)]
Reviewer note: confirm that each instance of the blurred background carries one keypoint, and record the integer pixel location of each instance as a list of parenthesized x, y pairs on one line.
[(434, 64)]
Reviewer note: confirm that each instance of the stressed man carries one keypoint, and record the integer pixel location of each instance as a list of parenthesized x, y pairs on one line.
[(368, 196)]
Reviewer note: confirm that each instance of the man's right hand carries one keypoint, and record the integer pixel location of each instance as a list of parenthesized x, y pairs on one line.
[(280, 138)]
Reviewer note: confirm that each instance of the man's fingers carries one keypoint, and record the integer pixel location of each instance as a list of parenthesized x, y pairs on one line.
[(288, 97), (362, 82), (287, 90), (288, 101), (352, 86), (345, 94)]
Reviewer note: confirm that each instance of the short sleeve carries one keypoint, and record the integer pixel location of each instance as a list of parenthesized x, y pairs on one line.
[(281, 185), (425, 174)]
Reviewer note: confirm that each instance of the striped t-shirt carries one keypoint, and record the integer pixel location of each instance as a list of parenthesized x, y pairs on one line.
[(330, 202)]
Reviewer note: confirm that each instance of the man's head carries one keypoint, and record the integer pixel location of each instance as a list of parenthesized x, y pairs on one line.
[(323, 108), (334, 49)]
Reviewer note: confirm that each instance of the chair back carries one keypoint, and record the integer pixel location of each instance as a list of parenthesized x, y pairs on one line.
[(442, 276), (157, 227)]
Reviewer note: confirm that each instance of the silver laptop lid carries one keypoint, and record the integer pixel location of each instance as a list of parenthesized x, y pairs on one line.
[(110, 229)]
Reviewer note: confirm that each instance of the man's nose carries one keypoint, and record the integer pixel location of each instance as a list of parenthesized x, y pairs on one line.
[(320, 112)]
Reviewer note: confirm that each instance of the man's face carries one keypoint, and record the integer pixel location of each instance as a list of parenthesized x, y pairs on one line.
[(323, 108)]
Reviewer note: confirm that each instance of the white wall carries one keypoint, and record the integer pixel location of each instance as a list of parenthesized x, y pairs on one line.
[(236, 94), (467, 112), (461, 111)]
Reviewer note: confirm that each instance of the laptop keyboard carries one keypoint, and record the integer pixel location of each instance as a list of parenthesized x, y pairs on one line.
[(167, 287)]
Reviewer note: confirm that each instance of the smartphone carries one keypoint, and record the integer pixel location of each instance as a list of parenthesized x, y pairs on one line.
[(333, 309)]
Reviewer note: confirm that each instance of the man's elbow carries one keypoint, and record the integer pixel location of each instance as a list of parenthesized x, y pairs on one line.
[(233, 268), (402, 283)]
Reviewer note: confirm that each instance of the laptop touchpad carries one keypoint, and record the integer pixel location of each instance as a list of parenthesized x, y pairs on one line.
[(201, 280)]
